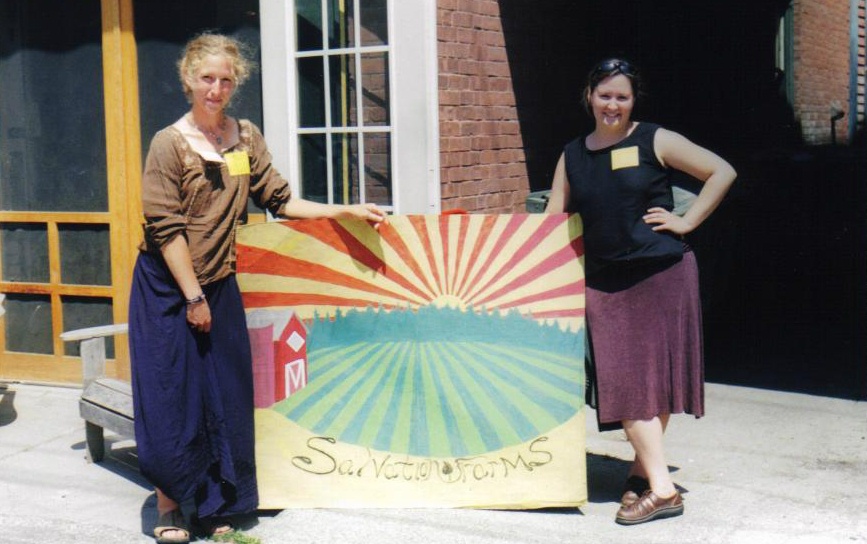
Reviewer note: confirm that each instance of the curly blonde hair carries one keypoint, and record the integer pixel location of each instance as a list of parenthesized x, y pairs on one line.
[(219, 45)]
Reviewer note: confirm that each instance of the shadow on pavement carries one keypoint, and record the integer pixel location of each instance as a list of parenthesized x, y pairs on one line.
[(8, 413)]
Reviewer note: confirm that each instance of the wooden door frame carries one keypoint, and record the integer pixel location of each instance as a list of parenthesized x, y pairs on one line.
[(123, 178), (123, 156)]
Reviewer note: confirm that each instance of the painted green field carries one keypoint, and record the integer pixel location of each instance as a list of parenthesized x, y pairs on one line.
[(410, 393)]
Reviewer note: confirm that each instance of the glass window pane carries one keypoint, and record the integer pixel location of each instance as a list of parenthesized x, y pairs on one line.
[(85, 254), (82, 312), (24, 252), (374, 22), (344, 156), (341, 28), (162, 29), (28, 324), (375, 82), (52, 117), (377, 168), (311, 92), (308, 23), (314, 173), (344, 112)]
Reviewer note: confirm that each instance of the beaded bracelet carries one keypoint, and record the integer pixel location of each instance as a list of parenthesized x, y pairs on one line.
[(196, 299)]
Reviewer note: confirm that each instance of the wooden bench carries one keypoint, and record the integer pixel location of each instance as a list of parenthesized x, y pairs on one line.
[(106, 403)]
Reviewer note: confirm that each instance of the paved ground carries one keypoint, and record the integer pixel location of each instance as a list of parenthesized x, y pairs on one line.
[(762, 467)]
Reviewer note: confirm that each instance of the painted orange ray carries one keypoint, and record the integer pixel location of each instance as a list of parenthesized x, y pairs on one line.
[(571, 289), (338, 238), (428, 272), (261, 300), (547, 226), (262, 261), (342, 240), (418, 223), (392, 237), (463, 225), (556, 260), (512, 226), (484, 232)]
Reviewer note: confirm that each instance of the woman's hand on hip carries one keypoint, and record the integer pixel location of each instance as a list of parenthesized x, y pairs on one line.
[(199, 316), (663, 219)]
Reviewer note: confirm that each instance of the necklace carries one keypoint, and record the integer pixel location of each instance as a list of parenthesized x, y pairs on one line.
[(216, 136)]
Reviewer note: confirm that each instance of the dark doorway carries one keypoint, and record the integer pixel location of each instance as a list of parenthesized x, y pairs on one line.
[(162, 29), (784, 260)]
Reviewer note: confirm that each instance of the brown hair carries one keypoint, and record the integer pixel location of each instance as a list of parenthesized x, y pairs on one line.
[(219, 45)]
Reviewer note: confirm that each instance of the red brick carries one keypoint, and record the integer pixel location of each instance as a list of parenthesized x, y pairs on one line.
[(821, 67), (482, 161)]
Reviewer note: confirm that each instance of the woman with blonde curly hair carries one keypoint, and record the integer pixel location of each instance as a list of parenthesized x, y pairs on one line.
[(191, 363)]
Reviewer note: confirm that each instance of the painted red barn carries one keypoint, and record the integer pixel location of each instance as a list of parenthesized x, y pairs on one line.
[(278, 341)]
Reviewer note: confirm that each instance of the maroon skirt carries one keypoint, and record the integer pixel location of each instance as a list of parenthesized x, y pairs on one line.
[(645, 340)]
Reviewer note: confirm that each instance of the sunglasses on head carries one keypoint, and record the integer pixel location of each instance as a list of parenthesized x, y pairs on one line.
[(615, 66)]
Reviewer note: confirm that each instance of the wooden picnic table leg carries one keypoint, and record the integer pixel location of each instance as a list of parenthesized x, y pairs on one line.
[(93, 368), (95, 442)]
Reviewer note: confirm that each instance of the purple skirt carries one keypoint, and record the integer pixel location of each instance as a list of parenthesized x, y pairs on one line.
[(192, 393), (645, 339)]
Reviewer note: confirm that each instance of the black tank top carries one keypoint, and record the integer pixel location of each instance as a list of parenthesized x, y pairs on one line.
[(612, 188)]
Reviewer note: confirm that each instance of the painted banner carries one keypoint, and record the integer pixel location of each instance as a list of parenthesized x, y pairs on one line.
[(435, 362)]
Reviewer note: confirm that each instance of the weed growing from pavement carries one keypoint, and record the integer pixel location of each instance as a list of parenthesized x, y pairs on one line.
[(236, 537)]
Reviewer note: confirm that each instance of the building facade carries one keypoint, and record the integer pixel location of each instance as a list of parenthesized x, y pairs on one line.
[(827, 65), (421, 106)]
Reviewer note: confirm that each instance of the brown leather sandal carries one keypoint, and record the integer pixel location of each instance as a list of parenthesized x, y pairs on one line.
[(633, 489), (650, 507)]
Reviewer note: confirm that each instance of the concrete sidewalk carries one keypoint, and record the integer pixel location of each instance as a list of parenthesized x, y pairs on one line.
[(762, 467)]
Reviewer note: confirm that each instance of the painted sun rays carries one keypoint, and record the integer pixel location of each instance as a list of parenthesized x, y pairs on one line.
[(495, 262)]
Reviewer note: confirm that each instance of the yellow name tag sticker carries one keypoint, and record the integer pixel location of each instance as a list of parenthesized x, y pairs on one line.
[(626, 157), (238, 163)]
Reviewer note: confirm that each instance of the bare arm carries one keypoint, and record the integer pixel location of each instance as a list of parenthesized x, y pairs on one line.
[(559, 198), (677, 152), (176, 254), (299, 208)]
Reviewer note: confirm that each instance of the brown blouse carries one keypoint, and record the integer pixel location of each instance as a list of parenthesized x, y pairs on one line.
[(185, 194)]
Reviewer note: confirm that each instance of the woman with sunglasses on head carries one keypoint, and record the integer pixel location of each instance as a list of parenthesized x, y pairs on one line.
[(643, 311), (191, 365)]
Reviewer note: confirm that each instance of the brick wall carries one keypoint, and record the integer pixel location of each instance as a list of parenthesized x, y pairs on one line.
[(862, 64), (821, 67), (482, 162)]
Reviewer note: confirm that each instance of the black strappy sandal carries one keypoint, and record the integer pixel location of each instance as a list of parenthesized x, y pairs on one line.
[(172, 521)]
